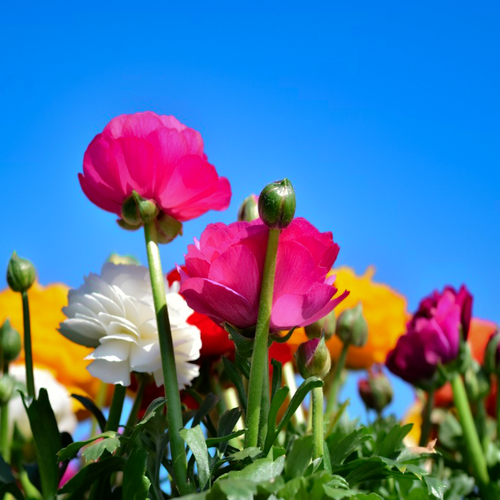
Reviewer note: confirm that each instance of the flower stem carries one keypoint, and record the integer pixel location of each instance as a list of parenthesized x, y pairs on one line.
[(115, 410), (264, 408), (28, 355), (426, 418), (132, 418), (4, 427), (259, 366), (477, 459), (100, 401), (317, 419), (167, 359), (331, 404)]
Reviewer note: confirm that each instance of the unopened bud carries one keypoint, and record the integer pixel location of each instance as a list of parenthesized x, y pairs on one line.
[(477, 383), (492, 353), (325, 326), (277, 204), (7, 384), (21, 274), (352, 327), (249, 209), (375, 391), (127, 260), (136, 211), (167, 228), (10, 342), (313, 358)]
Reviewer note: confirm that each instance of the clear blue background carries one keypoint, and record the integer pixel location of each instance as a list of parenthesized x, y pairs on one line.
[(385, 117)]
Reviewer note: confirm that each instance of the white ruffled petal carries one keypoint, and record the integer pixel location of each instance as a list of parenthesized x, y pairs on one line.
[(110, 372)]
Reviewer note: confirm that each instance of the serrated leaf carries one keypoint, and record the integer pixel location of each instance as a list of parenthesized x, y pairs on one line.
[(348, 445), (392, 442), (263, 469), (135, 482), (94, 451), (435, 487), (246, 453), (196, 441), (299, 457), (72, 450)]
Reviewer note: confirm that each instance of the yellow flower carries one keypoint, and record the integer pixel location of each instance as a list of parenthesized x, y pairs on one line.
[(413, 416), (384, 310), (50, 349)]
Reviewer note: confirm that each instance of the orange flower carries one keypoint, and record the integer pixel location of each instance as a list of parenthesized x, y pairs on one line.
[(50, 349), (384, 310)]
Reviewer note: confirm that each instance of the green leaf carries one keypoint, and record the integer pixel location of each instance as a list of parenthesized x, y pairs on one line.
[(263, 469), (205, 408), (276, 382), (72, 450), (275, 337), (299, 457), (93, 452), (242, 364), (92, 408), (348, 445), (450, 432), (135, 482), (196, 441), (435, 487), (8, 481), (392, 442), (298, 397), (47, 440), (211, 442), (80, 483), (276, 404), (237, 381), (227, 422), (244, 345)]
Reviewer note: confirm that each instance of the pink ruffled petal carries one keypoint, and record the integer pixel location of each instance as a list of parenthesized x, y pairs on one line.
[(100, 195), (218, 302)]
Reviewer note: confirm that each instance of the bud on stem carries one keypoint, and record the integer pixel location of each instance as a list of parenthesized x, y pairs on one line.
[(277, 204)]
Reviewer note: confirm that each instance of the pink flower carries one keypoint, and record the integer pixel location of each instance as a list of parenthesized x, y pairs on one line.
[(224, 273), (432, 336), (161, 159)]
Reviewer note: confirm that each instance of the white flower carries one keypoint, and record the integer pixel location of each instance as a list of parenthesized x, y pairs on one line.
[(59, 397), (114, 313)]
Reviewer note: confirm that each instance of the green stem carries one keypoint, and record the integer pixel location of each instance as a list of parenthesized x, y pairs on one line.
[(132, 418), (472, 444), (264, 408), (115, 410), (331, 404), (4, 432), (99, 401), (482, 424), (426, 418), (260, 352), (28, 355), (167, 359), (317, 418), (30, 491)]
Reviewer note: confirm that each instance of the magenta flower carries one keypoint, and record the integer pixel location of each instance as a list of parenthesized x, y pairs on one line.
[(161, 159), (433, 335), (224, 273)]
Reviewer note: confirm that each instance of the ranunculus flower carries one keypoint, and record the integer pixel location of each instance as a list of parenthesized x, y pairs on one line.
[(114, 313), (432, 336), (215, 340), (161, 159), (384, 310), (224, 274)]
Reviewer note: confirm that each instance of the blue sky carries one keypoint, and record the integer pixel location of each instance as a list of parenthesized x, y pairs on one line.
[(384, 117)]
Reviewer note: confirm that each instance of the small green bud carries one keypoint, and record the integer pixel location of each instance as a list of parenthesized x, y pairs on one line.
[(249, 209), (477, 383), (313, 358), (136, 211), (10, 342), (128, 260), (492, 353), (375, 391), (352, 327), (167, 228), (21, 274), (277, 204), (7, 384), (325, 326)]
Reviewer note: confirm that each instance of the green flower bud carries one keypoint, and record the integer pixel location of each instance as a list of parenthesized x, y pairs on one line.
[(167, 228), (136, 211), (7, 385), (375, 391), (325, 326), (21, 274), (313, 358), (352, 327), (477, 383), (492, 353), (277, 204), (249, 209), (10, 342)]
